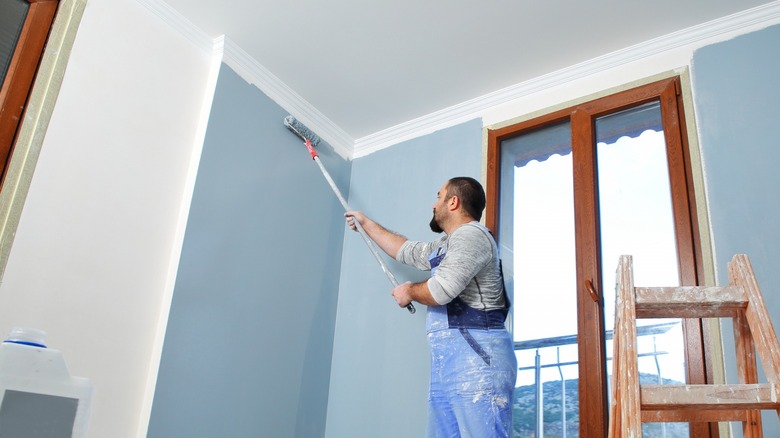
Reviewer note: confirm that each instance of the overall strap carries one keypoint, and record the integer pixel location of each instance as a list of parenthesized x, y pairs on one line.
[(494, 244)]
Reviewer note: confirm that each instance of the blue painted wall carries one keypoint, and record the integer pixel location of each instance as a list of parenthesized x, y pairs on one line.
[(281, 325), (737, 99), (379, 382), (248, 345)]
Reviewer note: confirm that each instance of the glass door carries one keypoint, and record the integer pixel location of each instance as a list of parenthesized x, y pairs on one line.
[(636, 218), (540, 256), (568, 193)]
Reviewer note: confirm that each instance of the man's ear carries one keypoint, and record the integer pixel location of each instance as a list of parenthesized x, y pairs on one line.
[(454, 203)]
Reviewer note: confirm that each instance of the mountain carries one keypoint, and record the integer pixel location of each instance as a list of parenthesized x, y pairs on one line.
[(524, 411)]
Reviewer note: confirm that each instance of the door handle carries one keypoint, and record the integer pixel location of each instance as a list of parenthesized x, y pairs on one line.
[(594, 295)]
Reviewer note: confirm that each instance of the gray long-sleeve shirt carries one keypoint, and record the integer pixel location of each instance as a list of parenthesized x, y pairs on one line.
[(469, 270)]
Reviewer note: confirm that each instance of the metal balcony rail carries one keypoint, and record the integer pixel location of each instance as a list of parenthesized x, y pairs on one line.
[(559, 341)]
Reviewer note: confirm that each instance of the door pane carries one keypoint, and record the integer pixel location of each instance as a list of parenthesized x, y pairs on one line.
[(12, 16), (538, 250), (636, 218)]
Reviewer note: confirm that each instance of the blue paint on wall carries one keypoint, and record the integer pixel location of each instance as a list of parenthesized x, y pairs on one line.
[(737, 99), (379, 382), (255, 345), (248, 346)]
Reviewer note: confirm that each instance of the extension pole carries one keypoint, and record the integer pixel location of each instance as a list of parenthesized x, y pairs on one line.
[(369, 242)]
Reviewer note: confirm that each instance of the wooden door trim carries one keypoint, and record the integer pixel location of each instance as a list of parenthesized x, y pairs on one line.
[(593, 372), (21, 73)]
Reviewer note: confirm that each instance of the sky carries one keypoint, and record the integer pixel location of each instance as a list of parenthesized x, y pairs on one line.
[(636, 219)]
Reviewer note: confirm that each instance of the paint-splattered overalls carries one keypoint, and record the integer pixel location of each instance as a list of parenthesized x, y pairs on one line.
[(473, 370)]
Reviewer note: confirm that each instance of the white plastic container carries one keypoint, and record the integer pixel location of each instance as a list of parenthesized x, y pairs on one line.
[(38, 397)]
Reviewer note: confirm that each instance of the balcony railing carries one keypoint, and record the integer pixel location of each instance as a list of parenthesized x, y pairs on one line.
[(567, 430)]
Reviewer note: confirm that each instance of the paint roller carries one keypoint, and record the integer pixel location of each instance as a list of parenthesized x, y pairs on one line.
[(311, 140)]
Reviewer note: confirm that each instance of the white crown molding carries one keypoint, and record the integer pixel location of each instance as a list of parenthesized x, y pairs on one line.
[(749, 19), (254, 72), (259, 76), (183, 26)]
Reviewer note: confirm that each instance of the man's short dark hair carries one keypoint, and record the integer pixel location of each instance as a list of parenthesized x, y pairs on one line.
[(470, 193)]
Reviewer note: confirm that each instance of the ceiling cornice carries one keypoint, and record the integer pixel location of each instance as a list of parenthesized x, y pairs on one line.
[(255, 73), (767, 14), (181, 25), (259, 76)]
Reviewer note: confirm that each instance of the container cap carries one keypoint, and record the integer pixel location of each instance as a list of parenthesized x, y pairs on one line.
[(27, 336)]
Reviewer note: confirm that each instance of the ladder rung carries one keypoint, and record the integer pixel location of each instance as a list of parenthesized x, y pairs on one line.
[(698, 416), (633, 403), (689, 301), (707, 397)]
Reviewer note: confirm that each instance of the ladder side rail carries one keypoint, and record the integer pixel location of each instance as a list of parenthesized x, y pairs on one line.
[(762, 333), (616, 408), (629, 375), (759, 320), (747, 371)]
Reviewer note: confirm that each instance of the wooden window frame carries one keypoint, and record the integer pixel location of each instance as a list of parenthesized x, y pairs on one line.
[(21, 73), (582, 117)]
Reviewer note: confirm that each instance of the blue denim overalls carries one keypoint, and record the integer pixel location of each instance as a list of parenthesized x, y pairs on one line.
[(473, 370)]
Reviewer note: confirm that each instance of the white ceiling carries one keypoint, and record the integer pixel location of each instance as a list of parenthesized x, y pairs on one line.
[(368, 65)]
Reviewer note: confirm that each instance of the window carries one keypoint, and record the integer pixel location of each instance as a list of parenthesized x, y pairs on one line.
[(25, 27), (568, 193)]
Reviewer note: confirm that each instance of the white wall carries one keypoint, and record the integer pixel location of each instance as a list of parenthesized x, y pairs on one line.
[(100, 230)]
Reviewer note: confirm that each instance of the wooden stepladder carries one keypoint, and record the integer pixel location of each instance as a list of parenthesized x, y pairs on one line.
[(633, 404)]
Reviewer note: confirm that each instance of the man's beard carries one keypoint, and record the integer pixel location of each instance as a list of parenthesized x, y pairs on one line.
[(435, 225)]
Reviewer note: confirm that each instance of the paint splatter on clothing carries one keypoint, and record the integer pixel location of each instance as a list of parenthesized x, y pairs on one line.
[(473, 364), (468, 397)]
